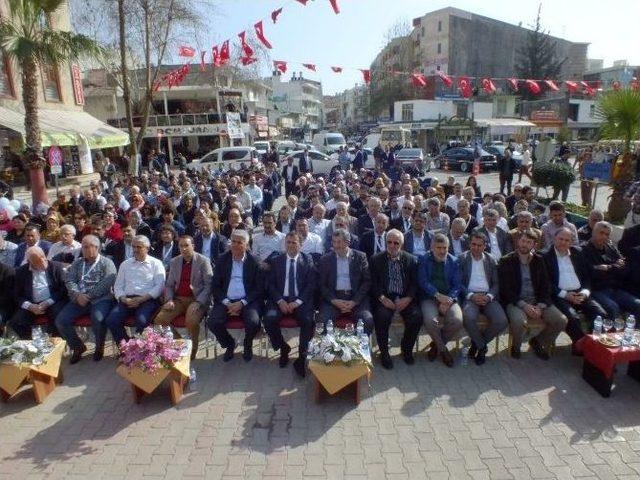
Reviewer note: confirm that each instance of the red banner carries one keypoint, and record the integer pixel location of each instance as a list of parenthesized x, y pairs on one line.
[(185, 51), (260, 34)]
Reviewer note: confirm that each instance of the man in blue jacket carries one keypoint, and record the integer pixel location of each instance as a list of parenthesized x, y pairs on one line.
[(439, 278)]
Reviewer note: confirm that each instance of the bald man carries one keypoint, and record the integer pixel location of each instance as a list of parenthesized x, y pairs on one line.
[(39, 290)]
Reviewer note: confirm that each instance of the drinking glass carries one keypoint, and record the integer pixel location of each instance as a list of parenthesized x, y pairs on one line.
[(607, 324), (618, 325), (319, 328), (350, 328)]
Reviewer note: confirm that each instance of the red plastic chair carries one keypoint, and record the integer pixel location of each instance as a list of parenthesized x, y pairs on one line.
[(235, 323)]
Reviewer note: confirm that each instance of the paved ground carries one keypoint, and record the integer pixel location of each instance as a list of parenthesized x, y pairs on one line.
[(507, 419)]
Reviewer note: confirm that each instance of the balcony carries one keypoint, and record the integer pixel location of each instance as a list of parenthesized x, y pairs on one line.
[(176, 120)]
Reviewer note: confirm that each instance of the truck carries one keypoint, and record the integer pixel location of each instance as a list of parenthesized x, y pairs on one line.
[(329, 142), (392, 136)]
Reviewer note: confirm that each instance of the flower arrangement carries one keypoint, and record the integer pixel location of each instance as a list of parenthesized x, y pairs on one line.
[(339, 346), (150, 351), (22, 351)]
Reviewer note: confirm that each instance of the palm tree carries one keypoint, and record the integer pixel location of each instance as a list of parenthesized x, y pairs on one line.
[(620, 115), (27, 39)]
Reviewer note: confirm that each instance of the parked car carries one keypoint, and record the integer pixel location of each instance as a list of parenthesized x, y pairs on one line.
[(321, 163), (285, 146), (462, 158), (261, 146), (498, 151), (226, 158), (413, 157)]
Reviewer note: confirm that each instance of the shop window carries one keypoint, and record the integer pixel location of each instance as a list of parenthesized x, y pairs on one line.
[(51, 84), (6, 89)]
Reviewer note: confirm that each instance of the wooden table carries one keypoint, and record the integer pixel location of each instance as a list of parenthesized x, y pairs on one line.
[(599, 364), (144, 383), (334, 377), (43, 378)]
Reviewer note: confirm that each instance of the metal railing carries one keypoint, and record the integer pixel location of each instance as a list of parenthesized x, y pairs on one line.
[(179, 119)]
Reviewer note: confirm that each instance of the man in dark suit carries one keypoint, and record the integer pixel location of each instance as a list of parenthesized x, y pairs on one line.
[(345, 281), (39, 291), (7, 300), (630, 237), (458, 239), (305, 164), (366, 221), (571, 286), (290, 174), (207, 242), (417, 240), (479, 293), (526, 295), (237, 292), (290, 290), (374, 241), (394, 290), (403, 222), (498, 241), (31, 239), (120, 251), (358, 159)]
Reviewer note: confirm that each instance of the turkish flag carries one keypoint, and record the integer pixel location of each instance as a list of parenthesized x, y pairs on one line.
[(309, 66), (552, 85), (513, 83), (616, 85), (418, 80), (366, 76), (185, 51), (446, 79), (334, 5), (215, 56), (572, 87), (337, 69), (533, 86), (246, 48), (275, 14), (203, 67), (488, 86), (464, 85), (248, 60), (304, 2), (224, 53), (635, 84), (588, 89), (280, 66), (260, 34)]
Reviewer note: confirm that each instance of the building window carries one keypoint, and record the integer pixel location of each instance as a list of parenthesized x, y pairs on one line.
[(6, 89), (422, 31), (501, 106), (439, 25), (50, 84), (592, 111), (439, 48), (407, 112)]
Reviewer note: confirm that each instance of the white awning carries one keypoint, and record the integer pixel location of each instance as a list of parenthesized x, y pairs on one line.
[(505, 126), (67, 128)]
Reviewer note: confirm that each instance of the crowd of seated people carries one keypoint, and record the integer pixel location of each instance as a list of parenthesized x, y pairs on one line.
[(351, 245)]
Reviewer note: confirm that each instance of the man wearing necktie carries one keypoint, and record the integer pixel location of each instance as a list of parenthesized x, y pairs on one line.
[(290, 292), (374, 241)]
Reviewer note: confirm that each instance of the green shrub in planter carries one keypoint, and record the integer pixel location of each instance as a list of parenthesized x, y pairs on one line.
[(557, 175)]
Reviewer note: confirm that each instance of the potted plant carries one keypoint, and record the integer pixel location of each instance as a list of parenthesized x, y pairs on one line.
[(619, 112)]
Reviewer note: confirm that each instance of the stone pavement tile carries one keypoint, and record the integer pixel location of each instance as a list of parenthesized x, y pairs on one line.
[(394, 463), (376, 471), (372, 455), (536, 468), (618, 466), (410, 452), (511, 459), (588, 454), (439, 475), (293, 472), (472, 460), (486, 449), (549, 457), (314, 465), (334, 471), (497, 469), (603, 472)]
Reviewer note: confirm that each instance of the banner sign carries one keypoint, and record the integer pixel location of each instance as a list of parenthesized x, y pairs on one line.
[(55, 160), (234, 127), (595, 170)]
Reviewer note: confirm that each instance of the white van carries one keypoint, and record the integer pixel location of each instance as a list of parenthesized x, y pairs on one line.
[(329, 142), (226, 158), (371, 141)]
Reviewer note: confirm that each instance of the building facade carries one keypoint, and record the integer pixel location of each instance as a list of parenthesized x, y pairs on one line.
[(622, 73), (61, 102)]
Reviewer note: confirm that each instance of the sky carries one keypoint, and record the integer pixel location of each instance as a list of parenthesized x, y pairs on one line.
[(315, 34)]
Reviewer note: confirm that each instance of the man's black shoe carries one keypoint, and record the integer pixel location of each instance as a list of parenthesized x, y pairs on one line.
[(228, 354), (76, 356), (515, 352), (473, 350), (284, 355), (481, 356), (432, 354), (538, 350), (299, 367), (386, 361)]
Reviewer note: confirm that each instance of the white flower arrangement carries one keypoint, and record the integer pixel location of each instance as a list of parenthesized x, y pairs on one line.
[(339, 346), (22, 351)]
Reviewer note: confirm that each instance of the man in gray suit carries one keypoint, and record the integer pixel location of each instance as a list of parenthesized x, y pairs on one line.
[(498, 241), (188, 290), (479, 293), (344, 282), (458, 239)]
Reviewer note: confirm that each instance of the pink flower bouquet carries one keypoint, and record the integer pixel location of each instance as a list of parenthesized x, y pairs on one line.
[(150, 351)]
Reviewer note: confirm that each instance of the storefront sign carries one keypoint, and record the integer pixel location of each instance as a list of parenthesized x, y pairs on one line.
[(76, 78), (55, 160), (234, 126), (544, 115), (191, 131), (600, 171)]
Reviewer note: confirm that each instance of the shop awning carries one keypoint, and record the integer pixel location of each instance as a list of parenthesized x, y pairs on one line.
[(67, 128)]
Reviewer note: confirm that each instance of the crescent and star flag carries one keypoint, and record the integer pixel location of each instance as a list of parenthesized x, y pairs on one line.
[(488, 85), (587, 89), (366, 76), (260, 34), (304, 2), (275, 14), (513, 83), (552, 85), (572, 87), (185, 51), (224, 53), (248, 60), (309, 66), (203, 67), (337, 69), (464, 84), (334, 5), (246, 48), (446, 79), (280, 66), (418, 80), (533, 86), (215, 56)]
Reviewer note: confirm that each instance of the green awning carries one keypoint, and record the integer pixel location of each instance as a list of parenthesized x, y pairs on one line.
[(66, 128)]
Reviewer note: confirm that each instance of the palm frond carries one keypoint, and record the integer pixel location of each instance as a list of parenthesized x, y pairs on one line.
[(620, 115)]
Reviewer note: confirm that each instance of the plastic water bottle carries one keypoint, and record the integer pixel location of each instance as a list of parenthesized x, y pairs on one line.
[(37, 337), (330, 327), (597, 326), (629, 330), (168, 332), (193, 378), (360, 328), (464, 355)]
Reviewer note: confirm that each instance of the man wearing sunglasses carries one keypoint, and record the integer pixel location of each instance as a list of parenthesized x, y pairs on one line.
[(394, 283)]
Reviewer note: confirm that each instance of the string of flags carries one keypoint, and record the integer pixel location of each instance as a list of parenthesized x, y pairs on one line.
[(467, 86)]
